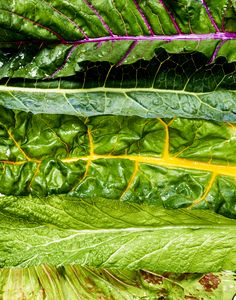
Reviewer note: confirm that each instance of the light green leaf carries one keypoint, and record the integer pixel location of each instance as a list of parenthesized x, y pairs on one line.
[(60, 230), (49, 283), (51, 38)]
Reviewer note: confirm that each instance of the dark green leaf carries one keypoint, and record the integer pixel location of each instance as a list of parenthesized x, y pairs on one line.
[(167, 86), (51, 38), (175, 163)]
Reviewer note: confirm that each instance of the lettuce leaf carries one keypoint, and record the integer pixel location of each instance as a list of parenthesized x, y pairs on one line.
[(51, 38), (62, 230), (48, 282)]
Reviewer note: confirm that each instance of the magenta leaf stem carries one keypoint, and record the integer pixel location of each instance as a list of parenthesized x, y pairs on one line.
[(64, 63), (217, 49), (69, 19), (171, 17), (210, 16), (143, 17), (62, 40), (99, 16), (177, 37), (131, 47)]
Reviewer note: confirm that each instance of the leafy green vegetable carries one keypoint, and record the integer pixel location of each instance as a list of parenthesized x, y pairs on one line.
[(176, 163), (166, 86), (132, 31), (109, 234), (75, 60), (47, 282)]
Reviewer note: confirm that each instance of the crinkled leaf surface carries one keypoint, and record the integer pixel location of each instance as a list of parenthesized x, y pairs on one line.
[(166, 86), (170, 162), (52, 38), (49, 283), (61, 230)]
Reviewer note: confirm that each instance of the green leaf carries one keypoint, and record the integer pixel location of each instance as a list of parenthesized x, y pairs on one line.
[(54, 37), (174, 163), (167, 86), (62, 230), (47, 282)]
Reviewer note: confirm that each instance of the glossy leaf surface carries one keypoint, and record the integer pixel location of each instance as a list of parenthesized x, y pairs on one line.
[(51, 38), (166, 86), (170, 162)]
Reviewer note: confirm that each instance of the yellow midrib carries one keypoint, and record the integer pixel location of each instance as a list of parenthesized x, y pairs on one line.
[(169, 162)]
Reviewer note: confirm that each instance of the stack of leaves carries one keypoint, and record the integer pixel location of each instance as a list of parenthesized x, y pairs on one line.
[(117, 149)]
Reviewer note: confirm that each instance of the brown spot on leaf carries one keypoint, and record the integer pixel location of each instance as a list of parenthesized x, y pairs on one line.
[(162, 294), (190, 297), (151, 278), (210, 282)]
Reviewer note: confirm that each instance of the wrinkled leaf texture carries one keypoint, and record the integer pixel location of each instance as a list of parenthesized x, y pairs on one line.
[(171, 162)]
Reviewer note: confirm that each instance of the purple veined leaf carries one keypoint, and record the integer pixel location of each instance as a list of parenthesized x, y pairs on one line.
[(210, 16), (106, 32), (143, 17), (69, 19), (99, 17), (171, 17)]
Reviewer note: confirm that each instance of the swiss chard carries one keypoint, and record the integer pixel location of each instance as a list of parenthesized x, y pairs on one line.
[(173, 162), (133, 31)]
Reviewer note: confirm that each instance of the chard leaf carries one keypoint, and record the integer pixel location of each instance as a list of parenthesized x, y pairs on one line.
[(48, 282), (166, 86), (109, 234), (170, 162), (54, 37)]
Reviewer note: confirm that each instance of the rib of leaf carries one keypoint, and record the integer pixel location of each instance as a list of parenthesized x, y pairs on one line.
[(143, 17), (171, 17), (210, 16), (106, 26), (69, 19)]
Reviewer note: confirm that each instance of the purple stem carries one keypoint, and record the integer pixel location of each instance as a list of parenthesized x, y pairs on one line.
[(127, 53), (144, 17), (217, 49), (224, 36), (69, 19), (210, 16), (99, 16), (178, 37), (63, 41), (171, 17), (64, 63)]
